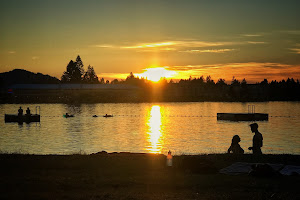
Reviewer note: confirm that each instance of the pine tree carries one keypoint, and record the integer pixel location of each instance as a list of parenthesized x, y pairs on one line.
[(90, 75), (74, 72), (102, 81), (79, 64)]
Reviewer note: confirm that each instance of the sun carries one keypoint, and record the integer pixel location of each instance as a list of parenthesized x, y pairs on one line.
[(156, 73)]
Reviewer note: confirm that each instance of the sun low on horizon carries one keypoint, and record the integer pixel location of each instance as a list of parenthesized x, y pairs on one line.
[(193, 38), (155, 74)]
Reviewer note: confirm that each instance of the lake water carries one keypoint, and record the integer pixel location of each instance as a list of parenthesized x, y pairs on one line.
[(183, 128)]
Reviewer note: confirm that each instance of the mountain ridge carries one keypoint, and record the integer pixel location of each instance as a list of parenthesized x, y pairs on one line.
[(22, 76)]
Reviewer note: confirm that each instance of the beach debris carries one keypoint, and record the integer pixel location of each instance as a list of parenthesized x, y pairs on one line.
[(169, 159), (260, 169)]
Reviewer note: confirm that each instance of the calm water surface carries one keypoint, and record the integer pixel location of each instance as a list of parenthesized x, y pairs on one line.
[(184, 128)]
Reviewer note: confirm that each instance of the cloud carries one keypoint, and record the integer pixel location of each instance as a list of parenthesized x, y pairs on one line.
[(12, 52), (169, 45), (295, 50), (252, 35), (35, 58), (208, 51), (252, 71), (156, 49), (150, 45), (292, 32), (194, 43), (256, 42)]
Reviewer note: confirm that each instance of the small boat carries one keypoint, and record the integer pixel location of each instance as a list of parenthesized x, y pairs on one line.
[(106, 115), (95, 116), (22, 118)]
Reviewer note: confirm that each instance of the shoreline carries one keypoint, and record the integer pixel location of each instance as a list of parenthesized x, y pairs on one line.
[(150, 101), (140, 176), (141, 102)]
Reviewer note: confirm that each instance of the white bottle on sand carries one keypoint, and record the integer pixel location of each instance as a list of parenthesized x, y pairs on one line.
[(169, 159)]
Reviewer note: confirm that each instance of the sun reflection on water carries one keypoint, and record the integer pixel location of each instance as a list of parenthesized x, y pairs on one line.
[(154, 123)]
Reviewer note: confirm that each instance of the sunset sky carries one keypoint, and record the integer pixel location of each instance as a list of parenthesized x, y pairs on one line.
[(246, 39)]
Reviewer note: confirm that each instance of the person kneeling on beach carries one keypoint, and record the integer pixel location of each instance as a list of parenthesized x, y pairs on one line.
[(235, 147)]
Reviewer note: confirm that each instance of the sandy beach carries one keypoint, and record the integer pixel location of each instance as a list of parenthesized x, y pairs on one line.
[(140, 176)]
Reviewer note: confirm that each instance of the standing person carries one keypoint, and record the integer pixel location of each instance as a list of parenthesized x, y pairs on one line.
[(257, 140), (20, 112), (235, 146)]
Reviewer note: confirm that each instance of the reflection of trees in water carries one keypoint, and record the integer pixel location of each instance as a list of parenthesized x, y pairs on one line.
[(74, 127), (73, 108)]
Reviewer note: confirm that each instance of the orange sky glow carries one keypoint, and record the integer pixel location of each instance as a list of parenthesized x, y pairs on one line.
[(252, 72), (182, 39)]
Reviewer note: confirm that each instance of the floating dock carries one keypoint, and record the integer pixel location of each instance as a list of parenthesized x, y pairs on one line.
[(243, 116), (23, 118)]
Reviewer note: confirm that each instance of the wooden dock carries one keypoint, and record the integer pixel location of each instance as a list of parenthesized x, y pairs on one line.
[(23, 118), (243, 116)]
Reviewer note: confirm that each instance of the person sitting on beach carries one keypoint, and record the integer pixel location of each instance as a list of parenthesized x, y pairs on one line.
[(235, 147), (28, 111), (20, 112), (257, 140)]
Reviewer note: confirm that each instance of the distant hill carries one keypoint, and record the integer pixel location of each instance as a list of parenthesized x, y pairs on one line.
[(21, 76)]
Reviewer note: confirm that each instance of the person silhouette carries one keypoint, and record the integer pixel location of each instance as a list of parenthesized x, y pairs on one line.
[(28, 111), (235, 147), (257, 140), (20, 112)]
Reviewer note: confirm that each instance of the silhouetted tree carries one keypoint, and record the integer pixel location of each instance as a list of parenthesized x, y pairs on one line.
[(102, 81), (163, 81), (115, 81), (235, 82), (244, 83), (79, 64), (131, 79), (74, 72), (200, 80), (130, 76), (90, 75), (221, 82), (209, 81), (264, 82)]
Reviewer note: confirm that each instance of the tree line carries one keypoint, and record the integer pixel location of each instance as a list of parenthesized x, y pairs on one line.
[(286, 89), (194, 89), (75, 73)]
